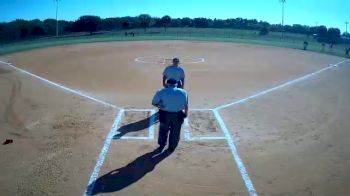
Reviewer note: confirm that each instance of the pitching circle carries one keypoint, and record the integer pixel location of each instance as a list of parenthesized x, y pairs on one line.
[(166, 59)]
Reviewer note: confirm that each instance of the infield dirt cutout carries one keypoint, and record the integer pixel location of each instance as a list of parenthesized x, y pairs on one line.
[(58, 136)]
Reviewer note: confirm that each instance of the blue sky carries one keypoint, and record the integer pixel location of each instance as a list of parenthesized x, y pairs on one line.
[(332, 13)]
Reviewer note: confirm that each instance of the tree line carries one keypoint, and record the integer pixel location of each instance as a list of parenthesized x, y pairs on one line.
[(26, 29)]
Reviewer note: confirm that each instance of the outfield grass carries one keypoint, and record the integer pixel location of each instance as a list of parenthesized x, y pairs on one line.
[(197, 34)]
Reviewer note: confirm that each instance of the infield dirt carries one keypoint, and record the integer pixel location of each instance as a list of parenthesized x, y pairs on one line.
[(293, 141)]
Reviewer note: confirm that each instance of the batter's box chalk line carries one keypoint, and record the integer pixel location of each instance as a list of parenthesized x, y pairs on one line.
[(167, 59), (186, 128), (229, 138), (151, 123)]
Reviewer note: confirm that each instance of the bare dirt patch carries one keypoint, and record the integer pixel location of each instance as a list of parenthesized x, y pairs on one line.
[(203, 124)]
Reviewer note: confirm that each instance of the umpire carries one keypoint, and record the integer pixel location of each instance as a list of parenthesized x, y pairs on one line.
[(174, 71), (173, 109)]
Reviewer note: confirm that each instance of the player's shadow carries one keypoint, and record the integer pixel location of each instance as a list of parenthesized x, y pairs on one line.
[(137, 126), (123, 177)]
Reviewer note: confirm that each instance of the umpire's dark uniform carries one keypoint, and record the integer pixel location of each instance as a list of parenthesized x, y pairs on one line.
[(173, 106)]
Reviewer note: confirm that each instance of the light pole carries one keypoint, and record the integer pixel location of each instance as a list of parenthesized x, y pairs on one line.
[(346, 28), (283, 2), (57, 18)]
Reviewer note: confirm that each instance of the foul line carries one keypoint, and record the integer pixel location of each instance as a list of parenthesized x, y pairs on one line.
[(61, 86), (279, 86), (229, 138), (242, 170), (103, 153)]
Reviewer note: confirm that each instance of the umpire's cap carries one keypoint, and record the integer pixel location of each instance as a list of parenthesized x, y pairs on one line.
[(176, 60), (171, 81)]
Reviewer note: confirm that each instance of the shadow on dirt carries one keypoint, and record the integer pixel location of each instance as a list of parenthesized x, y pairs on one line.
[(123, 177), (137, 126)]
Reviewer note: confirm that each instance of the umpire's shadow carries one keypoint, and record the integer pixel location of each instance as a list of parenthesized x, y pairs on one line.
[(137, 126), (118, 179)]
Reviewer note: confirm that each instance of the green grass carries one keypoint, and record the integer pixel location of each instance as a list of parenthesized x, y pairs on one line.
[(196, 34)]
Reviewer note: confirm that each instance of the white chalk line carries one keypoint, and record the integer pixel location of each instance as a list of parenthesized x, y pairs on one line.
[(132, 138), (61, 86), (236, 157), (138, 110), (228, 137), (103, 154), (188, 136), (150, 128), (150, 109), (201, 110), (230, 140), (140, 60), (204, 109), (279, 86), (207, 138), (151, 122), (187, 133)]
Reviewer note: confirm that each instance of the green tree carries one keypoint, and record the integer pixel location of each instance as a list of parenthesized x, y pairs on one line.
[(321, 32), (37, 31), (9, 32), (201, 22), (145, 20), (333, 35), (109, 24), (218, 23), (126, 25), (87, 23), (186, 22), (166, 20), (264, 31), (176, 22), (50, 26)]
